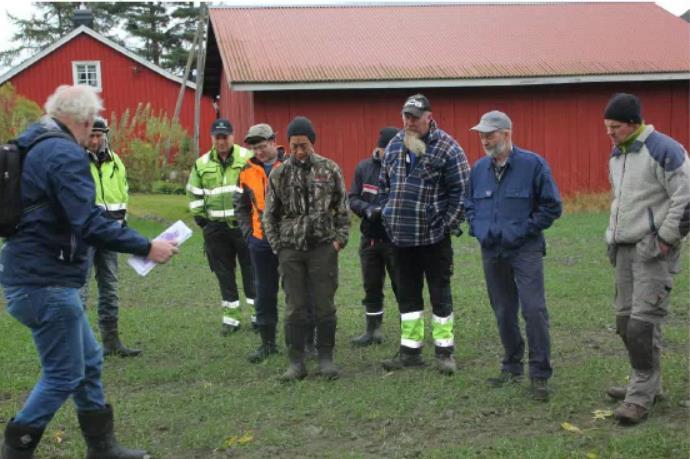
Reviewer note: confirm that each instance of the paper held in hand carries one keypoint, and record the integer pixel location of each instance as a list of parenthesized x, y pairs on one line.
[(178, 232)]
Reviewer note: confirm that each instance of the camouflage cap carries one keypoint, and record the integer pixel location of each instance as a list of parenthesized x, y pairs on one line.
[(259, 132)]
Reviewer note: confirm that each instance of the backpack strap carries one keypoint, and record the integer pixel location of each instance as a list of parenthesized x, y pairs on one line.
[(36, 141)]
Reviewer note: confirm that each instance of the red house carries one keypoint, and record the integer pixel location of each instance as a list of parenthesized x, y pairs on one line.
[(86, 57), (551, 67)]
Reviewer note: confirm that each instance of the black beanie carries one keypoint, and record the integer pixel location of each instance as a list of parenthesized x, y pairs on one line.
[(624, 108), (385, 136), (301, 126)]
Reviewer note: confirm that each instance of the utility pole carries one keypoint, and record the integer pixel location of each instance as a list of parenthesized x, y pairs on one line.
[(200, 63), (187, 70)]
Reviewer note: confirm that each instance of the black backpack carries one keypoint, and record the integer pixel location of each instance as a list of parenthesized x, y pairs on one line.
[(11, 160)]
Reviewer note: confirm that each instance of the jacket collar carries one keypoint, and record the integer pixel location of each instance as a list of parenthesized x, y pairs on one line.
[(636, 145)]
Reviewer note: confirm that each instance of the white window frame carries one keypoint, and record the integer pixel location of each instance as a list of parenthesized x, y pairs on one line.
[(97, 64)]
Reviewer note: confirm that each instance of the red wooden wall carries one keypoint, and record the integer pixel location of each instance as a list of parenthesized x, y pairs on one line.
[(125, 83), (563, 123)]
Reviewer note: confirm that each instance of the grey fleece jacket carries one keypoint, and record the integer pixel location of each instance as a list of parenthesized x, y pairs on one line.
[(651, 190)]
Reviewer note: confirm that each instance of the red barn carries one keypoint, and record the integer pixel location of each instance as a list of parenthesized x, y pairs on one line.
[(551, 67), (125, 79)]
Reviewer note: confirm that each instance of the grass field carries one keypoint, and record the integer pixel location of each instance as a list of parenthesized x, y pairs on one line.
[(193, 394)]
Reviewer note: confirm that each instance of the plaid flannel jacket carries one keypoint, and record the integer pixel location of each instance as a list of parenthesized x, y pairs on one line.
[(423, 202)]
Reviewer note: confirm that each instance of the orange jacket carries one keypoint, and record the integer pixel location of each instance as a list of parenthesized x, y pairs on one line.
[(249, 205)]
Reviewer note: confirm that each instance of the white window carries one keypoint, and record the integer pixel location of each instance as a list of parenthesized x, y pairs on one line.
[(87, 72)]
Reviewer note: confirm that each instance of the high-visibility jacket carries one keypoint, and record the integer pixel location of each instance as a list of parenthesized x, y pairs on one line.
[(249, 205), (110, 180), (211, 186)]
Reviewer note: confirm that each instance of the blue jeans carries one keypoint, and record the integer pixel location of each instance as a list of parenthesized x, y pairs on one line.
[(71, 359), (105, 264), (517, 283)]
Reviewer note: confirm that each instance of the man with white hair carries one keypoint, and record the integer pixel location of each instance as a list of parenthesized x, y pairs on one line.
[(44, 264), (512, 198)]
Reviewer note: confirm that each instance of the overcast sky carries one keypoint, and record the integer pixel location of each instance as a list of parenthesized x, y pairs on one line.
[(24, 10)]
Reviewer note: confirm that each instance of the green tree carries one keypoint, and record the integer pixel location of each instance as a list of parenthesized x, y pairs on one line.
[(53, 20), (166, 31)]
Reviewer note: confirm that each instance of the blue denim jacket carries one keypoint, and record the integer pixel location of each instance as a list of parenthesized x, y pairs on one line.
[(505, 215)]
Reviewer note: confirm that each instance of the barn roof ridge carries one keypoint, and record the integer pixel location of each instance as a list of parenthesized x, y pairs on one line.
[(101, 38)]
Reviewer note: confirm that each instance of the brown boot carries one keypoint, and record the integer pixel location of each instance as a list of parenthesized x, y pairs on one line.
[(630, 413)]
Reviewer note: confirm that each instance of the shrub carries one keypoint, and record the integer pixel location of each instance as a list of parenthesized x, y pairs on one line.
[(16, 112), (153, 148)]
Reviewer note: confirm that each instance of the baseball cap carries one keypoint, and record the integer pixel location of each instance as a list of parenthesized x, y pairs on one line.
[(259, 132), (493, 121), (416, 105), (221, 126)]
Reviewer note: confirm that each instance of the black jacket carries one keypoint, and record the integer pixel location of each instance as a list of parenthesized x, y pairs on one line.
[(364, 193)]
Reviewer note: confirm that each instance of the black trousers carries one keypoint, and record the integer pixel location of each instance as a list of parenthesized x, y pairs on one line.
[(224, 247), (412, 265), (376, 257)]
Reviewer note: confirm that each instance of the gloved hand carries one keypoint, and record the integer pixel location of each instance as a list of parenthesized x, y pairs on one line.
[(373, 213), (201, 221)]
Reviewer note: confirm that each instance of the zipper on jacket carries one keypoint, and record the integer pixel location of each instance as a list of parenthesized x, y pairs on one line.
[(100, 180), (620, 194)]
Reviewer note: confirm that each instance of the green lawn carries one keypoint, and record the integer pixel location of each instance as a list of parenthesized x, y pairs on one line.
[(193, 395)]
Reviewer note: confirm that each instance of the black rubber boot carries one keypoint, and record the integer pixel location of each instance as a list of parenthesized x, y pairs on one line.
[(268, 344), (373, 333), (295, 337), (20, 441), (98, 430), (325, 345), (310, 342), (111, 341)]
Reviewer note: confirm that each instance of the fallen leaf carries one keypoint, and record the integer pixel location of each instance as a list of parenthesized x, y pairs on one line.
[(602, 414), (59, 436), (248, 437), (592, 456), (571, 428)]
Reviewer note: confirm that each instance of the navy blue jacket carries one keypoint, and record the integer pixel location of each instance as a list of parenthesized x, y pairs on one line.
[(364, 193), (508, 214), (50, 246)]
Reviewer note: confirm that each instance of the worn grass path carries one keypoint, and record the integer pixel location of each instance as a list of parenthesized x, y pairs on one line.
[(193, 395)]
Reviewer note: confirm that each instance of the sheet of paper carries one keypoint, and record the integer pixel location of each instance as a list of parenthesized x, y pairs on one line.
[(177, 232)]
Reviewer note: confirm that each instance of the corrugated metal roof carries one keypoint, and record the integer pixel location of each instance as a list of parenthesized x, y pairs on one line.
[(459, 41)]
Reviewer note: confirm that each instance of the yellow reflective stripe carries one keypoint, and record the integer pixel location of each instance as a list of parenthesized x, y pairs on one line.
[(221, 213), (443, 320), (416, 315), (410, 343), (197, 203), (444, 342), (380, 313)]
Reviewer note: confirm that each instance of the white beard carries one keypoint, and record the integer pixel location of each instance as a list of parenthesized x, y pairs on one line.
[(495, 151), (414, 143)]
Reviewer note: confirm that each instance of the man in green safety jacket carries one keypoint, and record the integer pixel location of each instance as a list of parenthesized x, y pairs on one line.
[(212, 185), (110, 180)]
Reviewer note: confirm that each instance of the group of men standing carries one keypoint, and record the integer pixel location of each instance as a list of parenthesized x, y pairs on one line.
[(412, 194), (287, 217)]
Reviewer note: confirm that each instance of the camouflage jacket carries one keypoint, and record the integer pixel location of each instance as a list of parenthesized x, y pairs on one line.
[(306, 204)]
